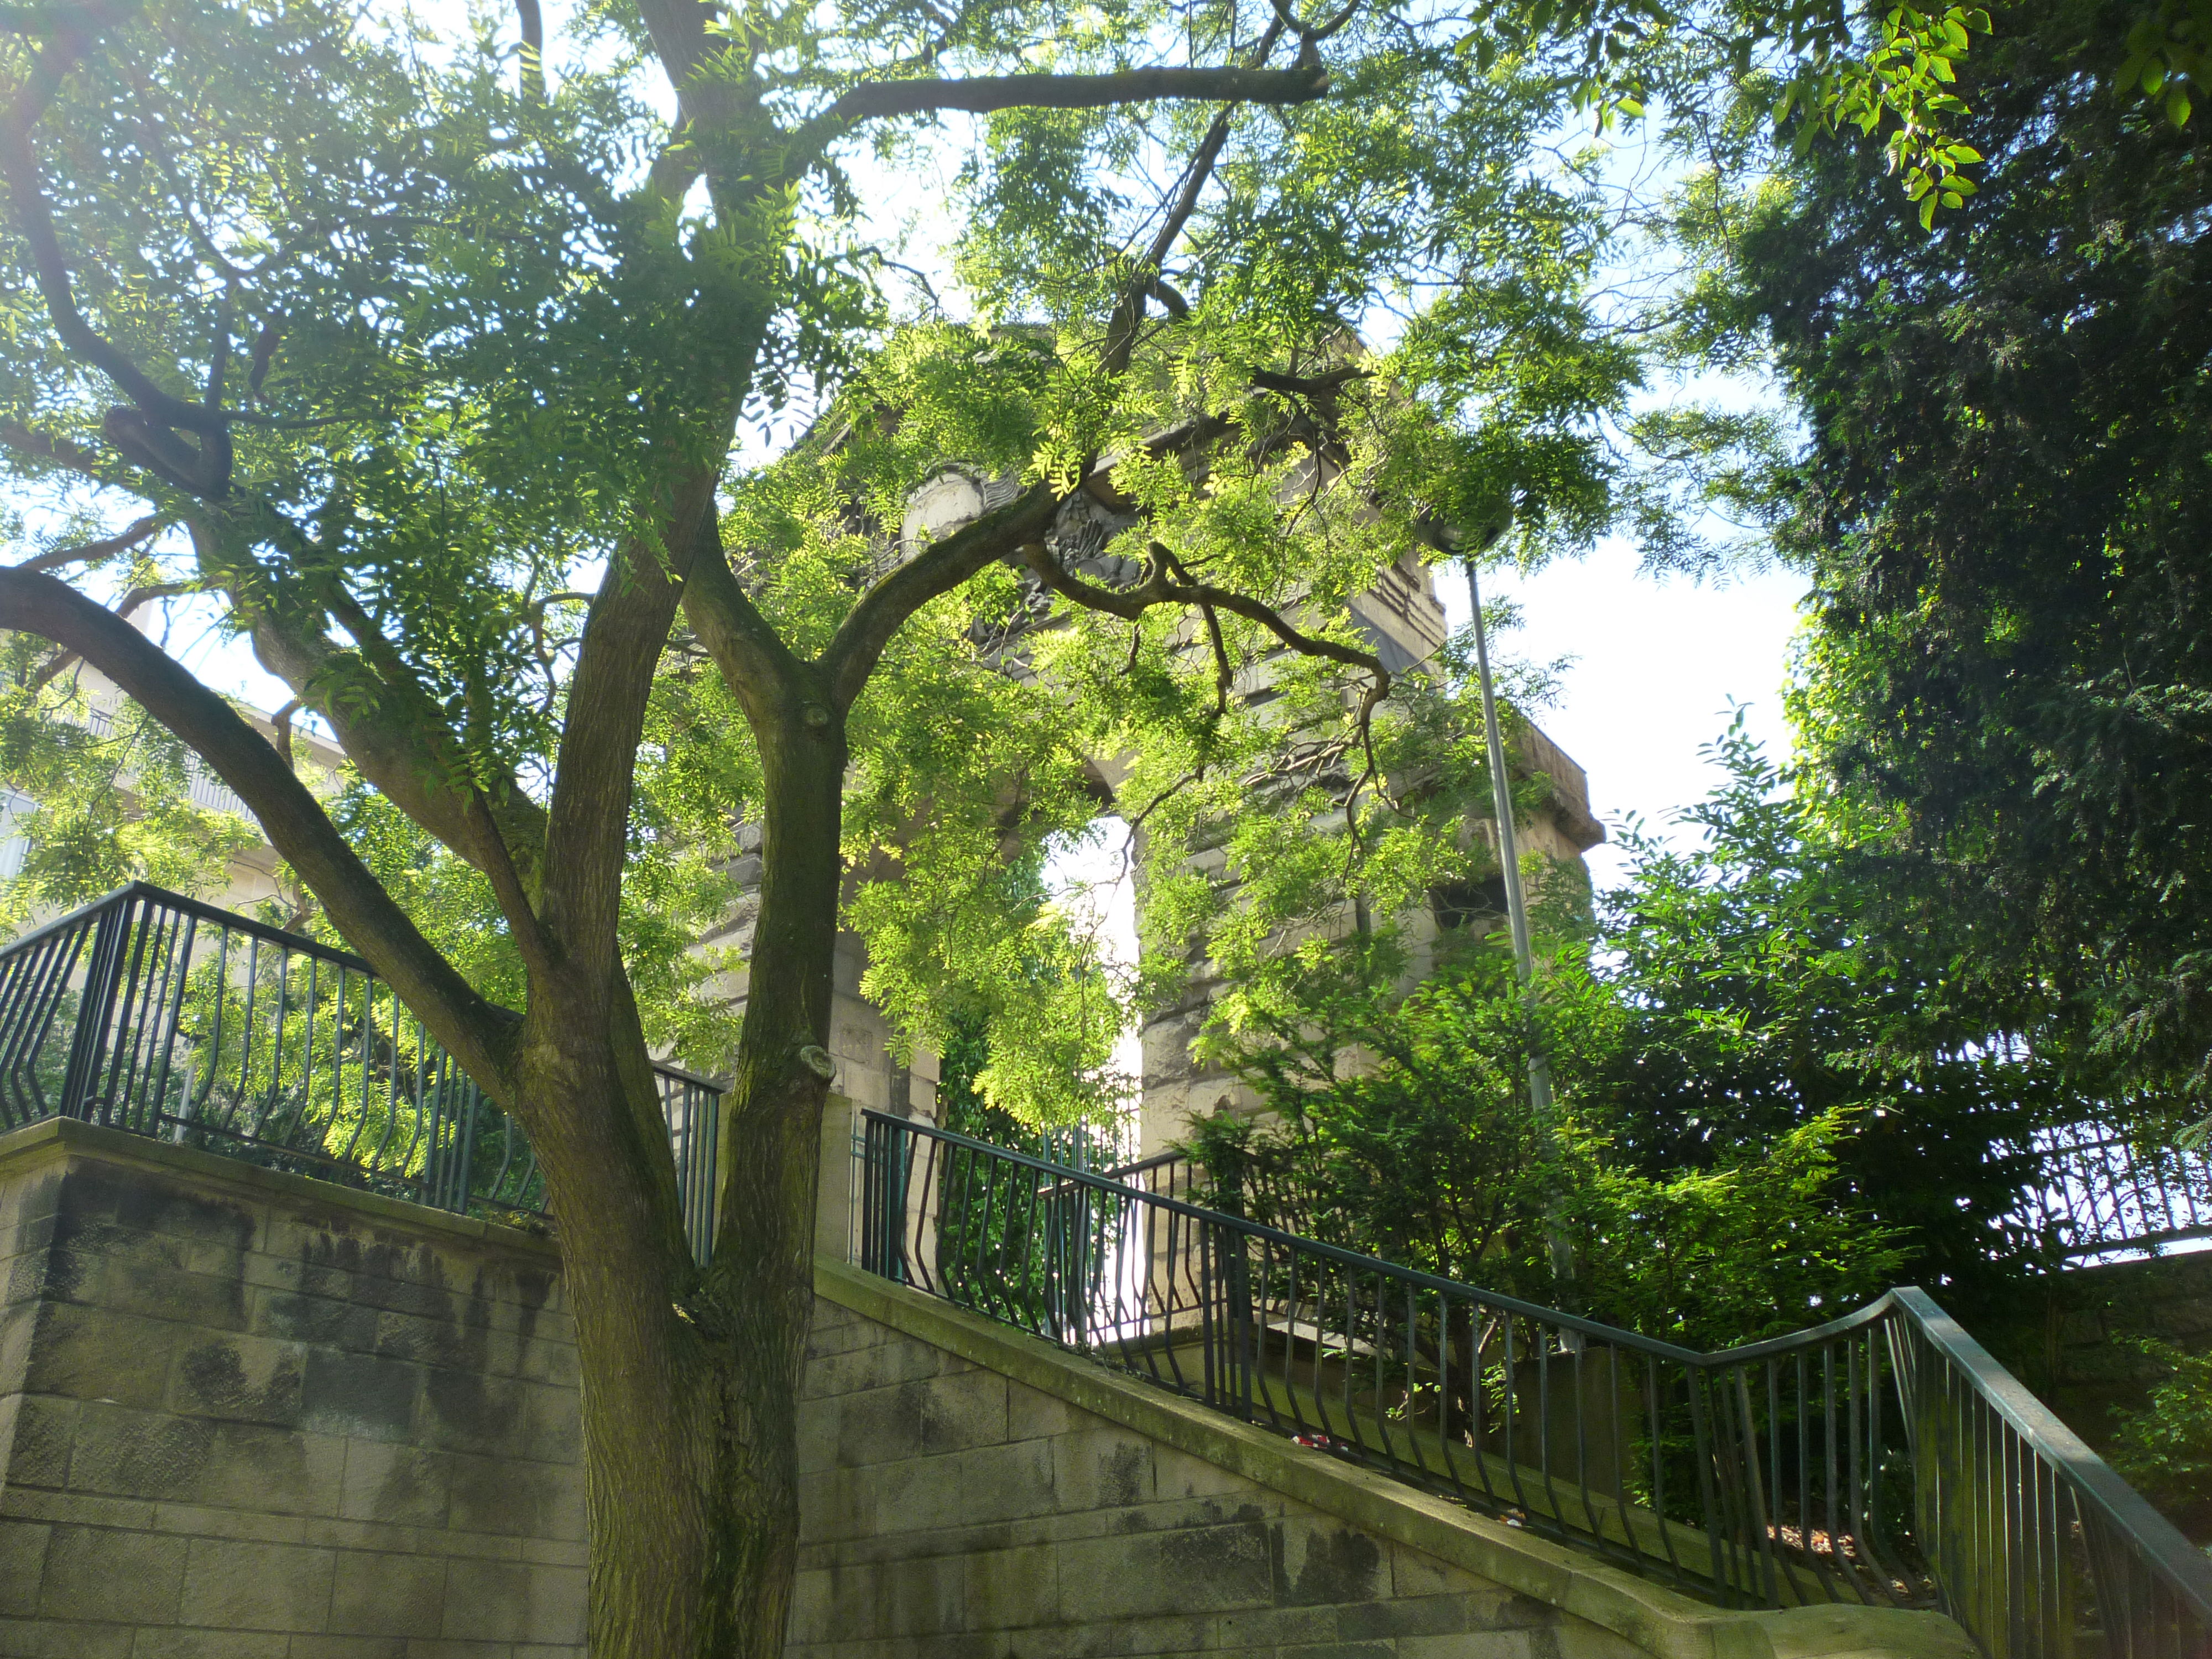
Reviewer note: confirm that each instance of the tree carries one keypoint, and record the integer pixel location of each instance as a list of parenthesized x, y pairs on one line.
[(2003, 503), (1774, 983), (425, 355), (1767, 1112)]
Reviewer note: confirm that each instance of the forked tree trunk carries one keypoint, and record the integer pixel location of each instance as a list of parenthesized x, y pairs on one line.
[(691, 1385)]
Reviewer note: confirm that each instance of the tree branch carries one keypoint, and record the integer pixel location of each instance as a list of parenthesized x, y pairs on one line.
[(533, 50), (587, 823), (1156, 588), (742, 644), (984, 93), (59, 664), (54, 452), (1128, 315), (397, 736), (93, 552), (1145, 281), (680, 40), (147, 433), (280, 727), (1018, 527), (475, 1030)]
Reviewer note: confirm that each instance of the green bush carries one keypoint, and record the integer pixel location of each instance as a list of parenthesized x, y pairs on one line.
[(2165, 1447)]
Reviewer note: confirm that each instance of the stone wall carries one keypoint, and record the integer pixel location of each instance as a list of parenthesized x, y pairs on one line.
[(954, 1511), (248, 1415), (973, 1493), (245, 1415)]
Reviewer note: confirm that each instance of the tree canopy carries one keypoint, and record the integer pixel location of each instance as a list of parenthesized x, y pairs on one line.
[(2002, 506), (1766, 1108), (418, 357)]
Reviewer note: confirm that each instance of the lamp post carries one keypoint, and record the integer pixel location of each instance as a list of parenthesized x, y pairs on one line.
[(1517, 915)]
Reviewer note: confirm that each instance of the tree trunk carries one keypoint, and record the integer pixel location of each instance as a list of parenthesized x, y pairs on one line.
[(691, 1381), (645, 1375), (762, 1278)]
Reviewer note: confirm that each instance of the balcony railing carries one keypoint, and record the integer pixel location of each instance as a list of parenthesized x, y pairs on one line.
[(2101, 1192), (1883, 1458), (157, 1014)]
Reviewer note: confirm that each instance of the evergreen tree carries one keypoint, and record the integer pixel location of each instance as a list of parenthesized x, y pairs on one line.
[(2004, 505)]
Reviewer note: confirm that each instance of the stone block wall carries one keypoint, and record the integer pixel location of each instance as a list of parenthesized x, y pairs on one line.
[(245, 1415), (954, 1512), (249, 1416)]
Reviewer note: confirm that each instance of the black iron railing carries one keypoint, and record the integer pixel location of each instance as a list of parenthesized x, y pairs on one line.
[(2093, 1192), (1881, 1458), (2099, 1191), (155, 1013)]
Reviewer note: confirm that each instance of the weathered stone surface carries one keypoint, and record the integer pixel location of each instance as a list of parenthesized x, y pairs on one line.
[(40, 1639), (354, 1394), (22, 1566), (1155, 1528), (97, 1353), (125, 1577), (133, 1454), (354, 1435), (274, 1471), (1041, 1530), (403, 1485), (385, 1595), (234, 1585), (245, 1414), (246, 1379), (492, 1601)]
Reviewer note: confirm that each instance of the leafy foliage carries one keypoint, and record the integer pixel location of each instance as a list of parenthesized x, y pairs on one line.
[(426, 362), (2165, 1448), (111, 793), (2003, 504), (1761, 1121)]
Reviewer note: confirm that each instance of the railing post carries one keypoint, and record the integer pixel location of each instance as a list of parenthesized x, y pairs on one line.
[(1237, 1310), (882, 1207), (95, 1009), (464, 1170)]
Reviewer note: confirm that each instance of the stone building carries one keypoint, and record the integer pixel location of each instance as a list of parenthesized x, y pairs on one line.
[(1404, 622), (250, 879)]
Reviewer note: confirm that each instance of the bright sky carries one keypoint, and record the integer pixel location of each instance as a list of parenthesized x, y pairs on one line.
[(1658, 664)]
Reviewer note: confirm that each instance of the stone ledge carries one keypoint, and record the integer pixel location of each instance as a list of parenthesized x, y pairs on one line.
[(25, 1149), (1657, 1619)]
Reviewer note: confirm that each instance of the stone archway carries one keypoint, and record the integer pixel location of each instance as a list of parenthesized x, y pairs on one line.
[(1404, 622)]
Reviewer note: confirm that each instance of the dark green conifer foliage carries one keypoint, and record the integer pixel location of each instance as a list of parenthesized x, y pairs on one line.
[(2006, 504)]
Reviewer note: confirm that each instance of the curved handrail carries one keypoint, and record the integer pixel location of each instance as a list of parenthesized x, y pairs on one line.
[(237, 922), (2188, 1567), (2015, 1525), (1412, 1276)]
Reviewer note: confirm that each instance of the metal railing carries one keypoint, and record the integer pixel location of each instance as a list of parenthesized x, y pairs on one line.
[(2100, 1191), (2093, 1192), (158, 1014), (1882, 1458)]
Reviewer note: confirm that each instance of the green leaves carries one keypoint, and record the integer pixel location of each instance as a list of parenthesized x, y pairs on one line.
[(2003, 486), (2164, 1448), (2165, 53), (109, 791), (489, 334)]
